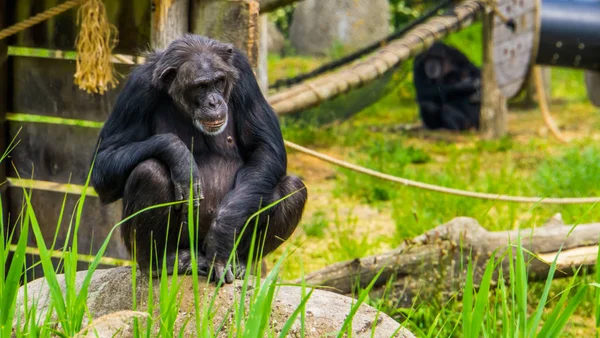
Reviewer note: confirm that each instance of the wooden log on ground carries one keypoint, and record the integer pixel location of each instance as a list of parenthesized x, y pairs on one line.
[(434, 258), (493, 104)]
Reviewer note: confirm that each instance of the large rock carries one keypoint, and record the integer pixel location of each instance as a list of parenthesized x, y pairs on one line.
[(318, 25), (110, 306)]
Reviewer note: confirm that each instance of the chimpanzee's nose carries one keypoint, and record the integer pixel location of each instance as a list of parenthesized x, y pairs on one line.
[(213, 102)]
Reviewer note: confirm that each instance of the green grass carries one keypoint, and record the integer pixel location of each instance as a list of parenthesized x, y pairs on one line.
[(528, 162)]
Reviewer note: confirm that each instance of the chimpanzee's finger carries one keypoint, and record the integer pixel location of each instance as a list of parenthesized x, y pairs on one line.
[(178, 195), (240, 271), (197, 194), (228, 275)]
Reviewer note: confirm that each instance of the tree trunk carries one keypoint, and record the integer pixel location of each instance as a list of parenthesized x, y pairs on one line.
[(263, 52), (493, 104), (170, 20), (436, 261), (3, 108), (235, 22)]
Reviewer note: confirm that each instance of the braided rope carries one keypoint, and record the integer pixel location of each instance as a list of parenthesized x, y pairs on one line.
[(34, 20), (457, 192)]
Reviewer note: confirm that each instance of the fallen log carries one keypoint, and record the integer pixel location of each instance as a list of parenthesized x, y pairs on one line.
[(437, 259)]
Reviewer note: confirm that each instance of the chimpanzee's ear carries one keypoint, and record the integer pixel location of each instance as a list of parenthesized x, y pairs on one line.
[(163, 77), (227, 52)]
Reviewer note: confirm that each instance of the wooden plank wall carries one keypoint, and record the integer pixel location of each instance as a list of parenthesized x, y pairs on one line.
[(4, 93), (52, 153)]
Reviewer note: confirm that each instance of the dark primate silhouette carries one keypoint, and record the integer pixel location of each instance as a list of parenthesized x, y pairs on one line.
[(199, 98), (448, 88)]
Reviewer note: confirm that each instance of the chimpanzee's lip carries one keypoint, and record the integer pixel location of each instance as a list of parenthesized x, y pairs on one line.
[(214, 124)]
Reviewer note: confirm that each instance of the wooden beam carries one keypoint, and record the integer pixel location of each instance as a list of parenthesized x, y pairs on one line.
[(3, 102), (170, 20), (236, 22), (493, 104), (267, 6), (263, 51)]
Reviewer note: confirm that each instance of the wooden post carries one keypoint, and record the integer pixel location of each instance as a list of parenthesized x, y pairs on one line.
[(263, 52), (3, 108), (170, 20), (493, 104), (235, 22)]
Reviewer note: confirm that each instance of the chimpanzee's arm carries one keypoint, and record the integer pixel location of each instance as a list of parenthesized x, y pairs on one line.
[(126, 140), (114, 163)]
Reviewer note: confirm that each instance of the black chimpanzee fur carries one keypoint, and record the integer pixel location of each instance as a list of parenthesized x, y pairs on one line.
[(448, 88), (198, 97)]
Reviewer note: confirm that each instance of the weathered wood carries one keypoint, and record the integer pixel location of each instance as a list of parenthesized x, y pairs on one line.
[(3, 108), (132, 19), (514, 52), (267, 6), (263, 51), (170, 20), (96, 223), (493, 104), (432, 257), (235, 22), (45, 87), (52, 152)]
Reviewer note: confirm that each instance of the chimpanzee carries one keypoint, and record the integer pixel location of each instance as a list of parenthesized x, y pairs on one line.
[(448, 88), (197, 97)]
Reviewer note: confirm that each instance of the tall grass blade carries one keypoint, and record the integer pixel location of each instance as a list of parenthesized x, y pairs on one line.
[(482, 301)]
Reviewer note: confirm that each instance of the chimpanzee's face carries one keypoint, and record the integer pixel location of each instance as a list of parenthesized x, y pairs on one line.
[(199, 80), (203, 92)]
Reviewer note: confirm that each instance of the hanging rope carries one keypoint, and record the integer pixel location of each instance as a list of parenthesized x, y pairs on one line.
[(34, 20), (431, 187), (543, 102), (363, 51), (96, 40)]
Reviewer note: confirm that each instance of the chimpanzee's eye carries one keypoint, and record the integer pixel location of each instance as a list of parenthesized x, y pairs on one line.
[(220, 84)]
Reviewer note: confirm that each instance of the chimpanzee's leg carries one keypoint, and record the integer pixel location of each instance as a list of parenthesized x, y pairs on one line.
[(160, 228), (453, 118), (280, 221)]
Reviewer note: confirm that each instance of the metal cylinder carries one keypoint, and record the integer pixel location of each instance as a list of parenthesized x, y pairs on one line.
[(570, 34)]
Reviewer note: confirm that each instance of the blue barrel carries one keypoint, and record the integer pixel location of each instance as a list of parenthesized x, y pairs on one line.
[(570, 34)]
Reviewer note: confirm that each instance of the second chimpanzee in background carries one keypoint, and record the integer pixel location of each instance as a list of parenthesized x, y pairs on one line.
[(448, 88)]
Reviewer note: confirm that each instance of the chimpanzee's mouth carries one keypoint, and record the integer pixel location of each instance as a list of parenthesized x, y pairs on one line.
[(213, 127), (214, 124)]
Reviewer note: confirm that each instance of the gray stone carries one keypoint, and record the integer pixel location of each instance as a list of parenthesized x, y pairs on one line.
[(318, 25), (110, 306)]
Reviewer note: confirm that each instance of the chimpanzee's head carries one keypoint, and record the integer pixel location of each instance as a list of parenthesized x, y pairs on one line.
[(198, 74)]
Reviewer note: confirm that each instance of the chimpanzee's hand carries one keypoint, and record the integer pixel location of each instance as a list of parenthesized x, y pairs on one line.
[(217, 257), (180, 175)]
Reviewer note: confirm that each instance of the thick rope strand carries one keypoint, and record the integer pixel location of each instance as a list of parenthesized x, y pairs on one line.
[(34, 20), (457, 192)]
